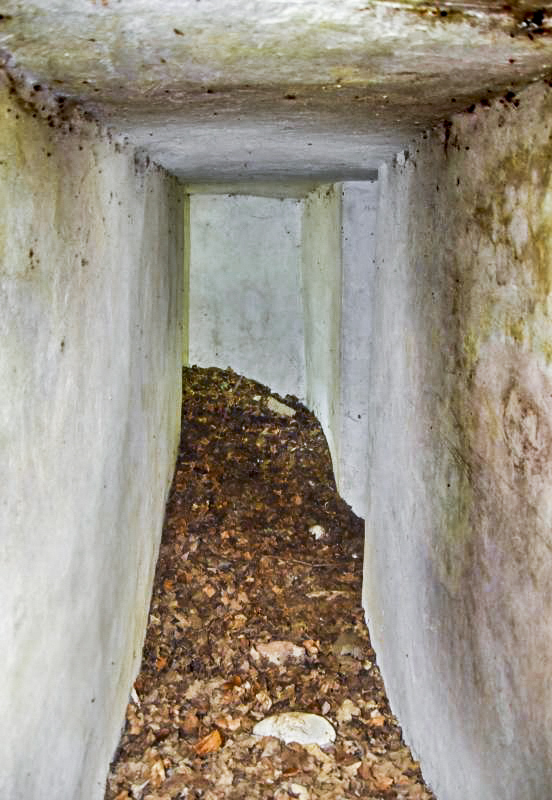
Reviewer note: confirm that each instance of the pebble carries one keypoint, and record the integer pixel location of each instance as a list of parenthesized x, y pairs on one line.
[(279, 408), (317, 531), (297, 726)]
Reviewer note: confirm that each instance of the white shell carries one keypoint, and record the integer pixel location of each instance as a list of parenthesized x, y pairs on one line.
[(297, 726)]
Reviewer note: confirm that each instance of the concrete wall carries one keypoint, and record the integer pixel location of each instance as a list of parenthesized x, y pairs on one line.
[(458, 587), (245, 299), (90, 391)]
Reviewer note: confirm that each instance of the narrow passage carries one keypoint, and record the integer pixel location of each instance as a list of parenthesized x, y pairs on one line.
[(256, 611)]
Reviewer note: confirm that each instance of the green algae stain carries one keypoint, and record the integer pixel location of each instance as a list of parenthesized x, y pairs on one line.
[(471, 349), (542, 261), (516, 330), (546, 349), (456, 504)]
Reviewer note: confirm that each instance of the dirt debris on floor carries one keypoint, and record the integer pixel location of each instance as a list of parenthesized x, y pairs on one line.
[(256, 611)]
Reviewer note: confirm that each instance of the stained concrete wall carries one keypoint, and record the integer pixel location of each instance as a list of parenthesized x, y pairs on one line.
[(90, 356), (458, 587), (244, 277)]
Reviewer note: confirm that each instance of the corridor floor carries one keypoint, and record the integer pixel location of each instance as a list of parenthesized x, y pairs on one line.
[(256, 611)]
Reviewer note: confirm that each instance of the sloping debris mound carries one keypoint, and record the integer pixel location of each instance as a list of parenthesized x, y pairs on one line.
[(255, 611)]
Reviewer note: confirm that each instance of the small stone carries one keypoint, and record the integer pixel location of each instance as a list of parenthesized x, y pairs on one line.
[(317, 531), (279, 408), (297, 726)]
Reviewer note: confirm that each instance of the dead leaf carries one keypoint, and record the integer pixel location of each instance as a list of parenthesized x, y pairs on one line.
[(279, 652), (347, 711), (157, 774), (190, 723), (352, 769), (177, 781), (311, 647), (135, 720), (383, 773), (264, 701), (348, 644), (365, 771), (232, 682), (230, 723), (209, 743)]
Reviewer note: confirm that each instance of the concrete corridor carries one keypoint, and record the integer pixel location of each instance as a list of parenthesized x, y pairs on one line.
[(256, 612), (349, 202)]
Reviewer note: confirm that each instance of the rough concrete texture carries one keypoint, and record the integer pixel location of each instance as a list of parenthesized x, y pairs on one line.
[(90, 290), (257, 88), (245, 293), (458, 558)]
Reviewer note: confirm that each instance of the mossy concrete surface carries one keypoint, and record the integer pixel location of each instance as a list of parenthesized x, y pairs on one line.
[(458, 558), (90, 359)]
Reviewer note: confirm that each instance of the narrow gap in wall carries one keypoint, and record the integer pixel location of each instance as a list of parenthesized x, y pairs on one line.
[(255, 614)]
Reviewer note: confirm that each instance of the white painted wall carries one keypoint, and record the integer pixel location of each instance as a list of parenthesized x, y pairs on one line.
[(459, 518), (90, 392), (245, 299)]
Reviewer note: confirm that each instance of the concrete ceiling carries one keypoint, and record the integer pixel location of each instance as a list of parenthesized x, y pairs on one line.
[(229, 90)]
